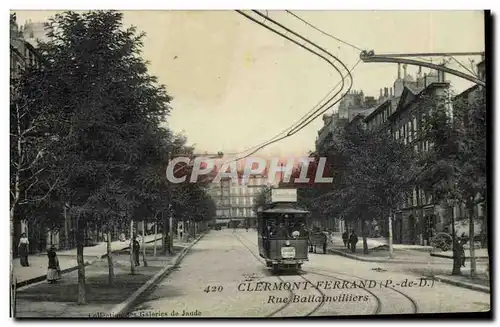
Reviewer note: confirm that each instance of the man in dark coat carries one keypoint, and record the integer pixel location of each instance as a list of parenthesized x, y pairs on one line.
[(345, 238), (353, 240), (136, 251)]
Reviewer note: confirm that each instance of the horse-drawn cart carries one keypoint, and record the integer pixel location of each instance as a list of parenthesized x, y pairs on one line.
[(317, 238)]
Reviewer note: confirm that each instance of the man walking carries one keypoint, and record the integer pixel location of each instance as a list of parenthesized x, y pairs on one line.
[(353, 240), (136, 251), (345, 238)]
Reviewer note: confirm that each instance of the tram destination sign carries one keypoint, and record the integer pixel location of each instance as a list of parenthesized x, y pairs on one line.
[(282, 195)]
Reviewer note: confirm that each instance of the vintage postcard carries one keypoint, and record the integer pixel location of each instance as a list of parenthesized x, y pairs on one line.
[(248, 163)]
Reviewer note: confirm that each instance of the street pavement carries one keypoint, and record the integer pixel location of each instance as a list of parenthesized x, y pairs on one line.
[(67, 259), (412, 259), (217, 276), (59, 300)]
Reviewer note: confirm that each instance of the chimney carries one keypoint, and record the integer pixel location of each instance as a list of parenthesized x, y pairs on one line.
[(380, 92), (386, 92), (390, 91), (399, 71)]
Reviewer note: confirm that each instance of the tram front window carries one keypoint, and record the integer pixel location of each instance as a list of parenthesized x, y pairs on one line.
[(287, 228)]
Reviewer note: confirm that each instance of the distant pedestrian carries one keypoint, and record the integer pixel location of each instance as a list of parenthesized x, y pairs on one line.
[(137, 247), (353, 240), (23, 250), (123, 238), (345, 238), (461, 250), (54, 270)]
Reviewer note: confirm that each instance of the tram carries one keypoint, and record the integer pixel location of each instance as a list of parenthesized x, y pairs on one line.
[(282, 231)]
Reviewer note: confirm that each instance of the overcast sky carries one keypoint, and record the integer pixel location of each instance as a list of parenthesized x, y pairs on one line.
[(236, 84)]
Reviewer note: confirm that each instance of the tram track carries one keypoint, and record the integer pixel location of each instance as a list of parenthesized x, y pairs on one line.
[(291, 293), (379, 306)]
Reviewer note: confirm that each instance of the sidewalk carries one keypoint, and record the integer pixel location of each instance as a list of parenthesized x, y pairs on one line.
[(418, 262), (60, 299), (382, 242), (67, 260), (479, 254), (379, 252)]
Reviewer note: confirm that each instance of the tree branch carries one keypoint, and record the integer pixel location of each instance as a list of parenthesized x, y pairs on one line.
[(43, 197)]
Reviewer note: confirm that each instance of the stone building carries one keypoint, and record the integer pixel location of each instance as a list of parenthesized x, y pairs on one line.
[(401, 114), (235, 199)]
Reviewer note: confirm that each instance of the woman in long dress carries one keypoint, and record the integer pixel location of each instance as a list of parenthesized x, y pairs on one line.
[(53, 272), (23, 250)]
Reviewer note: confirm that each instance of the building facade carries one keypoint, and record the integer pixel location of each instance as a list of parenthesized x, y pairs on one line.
[(235, 200), (419, 218)]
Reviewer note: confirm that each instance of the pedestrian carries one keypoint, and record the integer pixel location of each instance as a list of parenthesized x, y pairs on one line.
[(23, 250), (461, 250), (136, 251), (282, 231), (54, 270), (345, 238), (353, 240)]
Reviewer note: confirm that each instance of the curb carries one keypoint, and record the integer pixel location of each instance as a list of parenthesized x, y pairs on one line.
[(481, 258), (469, 286), (355, 257), (120, 310), (67, 270)]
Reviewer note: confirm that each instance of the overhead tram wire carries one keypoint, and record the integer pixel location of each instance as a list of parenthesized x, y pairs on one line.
[(303, 117), (323, 32), (303, 46), (303, 123), (308, 49), (463, 66), (288, 135), (300, 119)]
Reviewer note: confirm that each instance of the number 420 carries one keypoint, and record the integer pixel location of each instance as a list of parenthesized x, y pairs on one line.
[(209, 289)]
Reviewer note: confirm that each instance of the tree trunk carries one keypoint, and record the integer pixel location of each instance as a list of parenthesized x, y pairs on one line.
[(80, 239), (470, 207), (165, 236), (66, 227), (363, 233), (132, 261), (170, 233), (391, 250), (154, 242), (144, 244), (13, 281), (456, 254), (111, 272), (484, 239)]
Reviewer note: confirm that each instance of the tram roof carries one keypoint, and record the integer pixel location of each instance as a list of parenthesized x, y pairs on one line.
[(285, 210)]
